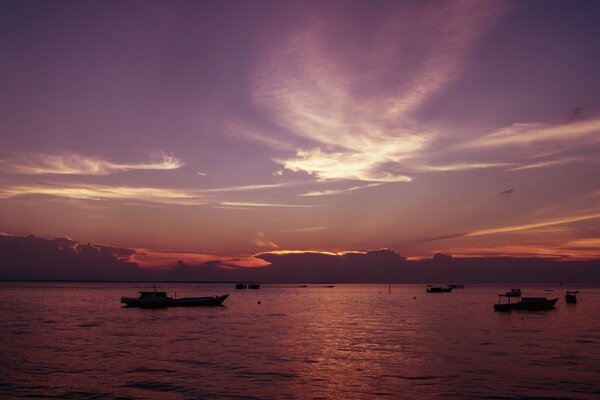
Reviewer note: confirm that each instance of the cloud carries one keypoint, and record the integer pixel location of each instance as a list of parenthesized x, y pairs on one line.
[(165, 259), (548, 163), (62, 258), (308, 229), (463, 166), (77, 164), (516, 228), (262, 241), (262, 205), (523, 134), (106, 192), (331, 192), (348, 102), (176, 196)]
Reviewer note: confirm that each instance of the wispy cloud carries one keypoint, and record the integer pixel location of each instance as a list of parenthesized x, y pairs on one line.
[(308, 229), (351, 102), (575, 133), (463, 166), (548, 163), (106, 192), (248, 204), (177, 196), (331, 192), (78, 164), (516, 228), (261, 241)]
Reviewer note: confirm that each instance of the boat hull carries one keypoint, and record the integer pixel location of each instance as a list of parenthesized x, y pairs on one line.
[(439, 290)]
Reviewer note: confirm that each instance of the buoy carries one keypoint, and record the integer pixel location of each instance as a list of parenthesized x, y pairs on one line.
[(259, 302)]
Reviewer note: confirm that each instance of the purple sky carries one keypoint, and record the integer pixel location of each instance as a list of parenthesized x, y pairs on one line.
[(238, 127)]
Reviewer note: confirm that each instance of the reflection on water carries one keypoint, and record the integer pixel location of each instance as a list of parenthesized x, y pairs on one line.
[(74, 340)]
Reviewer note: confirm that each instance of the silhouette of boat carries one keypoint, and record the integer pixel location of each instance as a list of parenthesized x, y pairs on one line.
[(513, 293), (157, 299), (524, 303), (571, 296), (247, 286), (438, 289)]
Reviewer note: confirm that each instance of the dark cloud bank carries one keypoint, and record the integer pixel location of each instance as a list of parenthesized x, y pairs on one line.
[(64, 259)]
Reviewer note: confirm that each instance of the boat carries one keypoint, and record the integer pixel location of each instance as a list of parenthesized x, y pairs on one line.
[(156, 299), (524, 303), (513, 293), (457, 286), (571, 296), (247, 285), (438, 289)]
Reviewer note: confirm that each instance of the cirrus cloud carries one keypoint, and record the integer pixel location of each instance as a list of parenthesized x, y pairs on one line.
[(78, 164)]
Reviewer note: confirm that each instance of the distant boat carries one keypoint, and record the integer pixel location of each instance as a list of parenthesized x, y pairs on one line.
[(330, 286), (513, 293), (157, 299), (571, 296), (303, 285), (247, 286), (457, 286), (439, 289), (524, 303)]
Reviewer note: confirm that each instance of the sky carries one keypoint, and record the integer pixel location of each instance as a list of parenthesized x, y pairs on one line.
[(193, 130)]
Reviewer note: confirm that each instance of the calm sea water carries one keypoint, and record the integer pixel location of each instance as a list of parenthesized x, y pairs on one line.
[(74, 340)]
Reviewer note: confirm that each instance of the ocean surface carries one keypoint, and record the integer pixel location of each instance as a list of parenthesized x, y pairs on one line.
[(76, 341)]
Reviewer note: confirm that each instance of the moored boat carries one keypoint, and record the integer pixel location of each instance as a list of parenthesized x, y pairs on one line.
[(156, 299), (571, 296), (525, 303), (438, 289)]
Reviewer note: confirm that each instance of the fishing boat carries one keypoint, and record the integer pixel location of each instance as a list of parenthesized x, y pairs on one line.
[(254, 286), (571, 296), (156, 299), (241, 286), (438, 289), (524, 303)]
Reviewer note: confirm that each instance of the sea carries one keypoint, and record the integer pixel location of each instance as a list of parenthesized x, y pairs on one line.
[(74, 340)]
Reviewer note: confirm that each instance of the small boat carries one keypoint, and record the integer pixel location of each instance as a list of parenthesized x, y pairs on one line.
[(571, 296), (524, 303), (247, 285), (158, 299), (438, 289), (513, 293)]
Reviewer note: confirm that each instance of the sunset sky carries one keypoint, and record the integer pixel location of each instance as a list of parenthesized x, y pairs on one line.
[(201, 129)]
